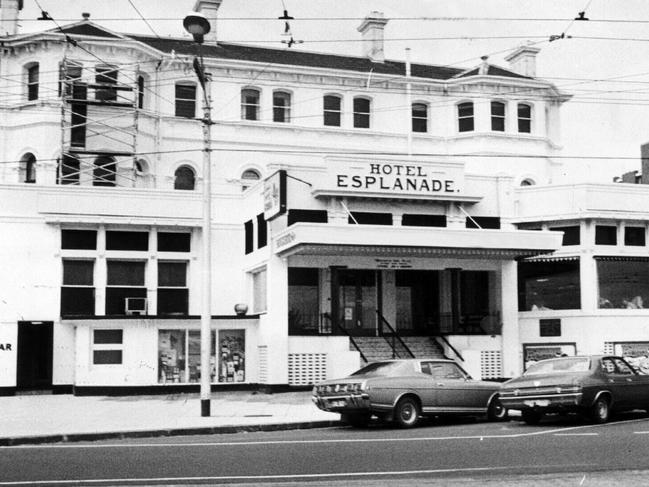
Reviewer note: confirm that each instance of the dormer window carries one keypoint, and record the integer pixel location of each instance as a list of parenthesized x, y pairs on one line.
[(419, 117), (524, 118), (281, 107), (497, 116), (465, 117)]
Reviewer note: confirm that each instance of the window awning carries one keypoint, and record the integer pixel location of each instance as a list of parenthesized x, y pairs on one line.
[(553, 258), (622, 258)]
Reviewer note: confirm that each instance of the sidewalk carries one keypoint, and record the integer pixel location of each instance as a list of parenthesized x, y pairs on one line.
[(52, 418)]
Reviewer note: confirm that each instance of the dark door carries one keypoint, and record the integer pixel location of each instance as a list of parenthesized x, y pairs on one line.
[(357, 301), (35, 339)]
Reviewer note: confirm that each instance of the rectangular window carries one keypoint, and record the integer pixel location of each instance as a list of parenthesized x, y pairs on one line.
[(419, 117), (622, 282), (68, 171), (106, 76), (77, 291), (262, 231), (571, 235), (281, 107), (524, 118), (332, 110), (32, 82), (308, 216), (465, 117), (174, 242), (497, 116), (549, 285), (605, 235), (249, 104), (249, 229), (185, 101), (484, 222), (173, 294), (634, 236), (179, 356), (303, 300), (368, 218), (259, 291), (422, 220), (79, 239), (125, 279), (232, 355), (107, 346), (117, 240), (362, 113)]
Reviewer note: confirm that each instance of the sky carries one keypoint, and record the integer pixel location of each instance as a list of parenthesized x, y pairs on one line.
[(603, 62)]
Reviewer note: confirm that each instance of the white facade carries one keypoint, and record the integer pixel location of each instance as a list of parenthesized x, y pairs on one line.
[(350, 148)]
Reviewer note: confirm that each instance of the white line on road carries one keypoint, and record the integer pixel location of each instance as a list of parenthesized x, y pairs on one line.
[(641, 432), (576, 434)]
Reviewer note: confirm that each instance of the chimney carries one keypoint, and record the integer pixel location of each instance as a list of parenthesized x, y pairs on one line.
[(371, 30), (9, 16), (523, 60), (644, 154), (209, 8)]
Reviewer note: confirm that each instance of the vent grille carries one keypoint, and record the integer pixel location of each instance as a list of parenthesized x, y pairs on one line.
[(263, 363), (306, 368), (491, 366), (609, 348)]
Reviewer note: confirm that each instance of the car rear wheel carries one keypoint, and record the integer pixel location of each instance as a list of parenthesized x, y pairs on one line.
[(530, 416), (357, 420), (496, 411), (406, 412), (600, 411)]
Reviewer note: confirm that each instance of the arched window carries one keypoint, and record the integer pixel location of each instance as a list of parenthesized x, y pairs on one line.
[(465, 117), (497, 116), (524, 118), (527, 182), (419, 117), (249, 104), (184, 178), (28, 168), (281, 106), (32, 75), (185, 100), (332, 110), (104, 171), (249, 178), (362, 108)]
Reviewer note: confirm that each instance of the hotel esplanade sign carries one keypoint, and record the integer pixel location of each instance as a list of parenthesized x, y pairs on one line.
[(376, 178)]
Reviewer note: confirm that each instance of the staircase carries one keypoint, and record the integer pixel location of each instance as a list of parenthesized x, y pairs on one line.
[(378, 348)]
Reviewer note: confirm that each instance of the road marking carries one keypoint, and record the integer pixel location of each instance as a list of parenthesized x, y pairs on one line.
[(576, 434), (554, 431), (277, 477), (641, 432)]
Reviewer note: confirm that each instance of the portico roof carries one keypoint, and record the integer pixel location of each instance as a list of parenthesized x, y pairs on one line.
[(387, 241)]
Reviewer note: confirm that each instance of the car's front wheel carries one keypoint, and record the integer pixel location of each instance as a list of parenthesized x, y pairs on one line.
[(530, 416), (357, 420), (600, 411), (406, 412), (496, 411)]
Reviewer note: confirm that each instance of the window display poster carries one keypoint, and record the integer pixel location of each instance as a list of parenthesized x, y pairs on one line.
[(231, 349), (636, 353), (536, 353)]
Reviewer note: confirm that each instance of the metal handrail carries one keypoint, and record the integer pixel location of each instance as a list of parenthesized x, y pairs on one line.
[(394, 335), (457, 354), (327, 316)]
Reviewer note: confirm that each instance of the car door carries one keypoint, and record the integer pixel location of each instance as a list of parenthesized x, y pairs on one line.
[(634, 387), (453, 391)]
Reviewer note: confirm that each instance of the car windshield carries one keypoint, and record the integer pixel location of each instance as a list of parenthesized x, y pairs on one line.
[(560, 365), (382, 369)]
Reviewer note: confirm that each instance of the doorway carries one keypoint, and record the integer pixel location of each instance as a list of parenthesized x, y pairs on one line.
[(34, 361), (357, 301)]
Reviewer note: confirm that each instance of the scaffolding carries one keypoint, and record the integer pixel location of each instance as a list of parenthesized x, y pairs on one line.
[(99, 123)]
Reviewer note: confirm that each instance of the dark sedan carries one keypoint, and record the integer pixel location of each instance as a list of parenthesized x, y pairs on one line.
[(593, 385), (403, 390)]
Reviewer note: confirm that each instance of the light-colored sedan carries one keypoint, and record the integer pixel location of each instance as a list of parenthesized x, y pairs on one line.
[(404, 390)]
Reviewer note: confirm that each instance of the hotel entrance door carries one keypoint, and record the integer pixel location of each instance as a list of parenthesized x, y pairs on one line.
[(355, 300)]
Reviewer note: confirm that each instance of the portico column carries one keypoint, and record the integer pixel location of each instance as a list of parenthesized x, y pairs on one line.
[(511, 347), (275, 323)]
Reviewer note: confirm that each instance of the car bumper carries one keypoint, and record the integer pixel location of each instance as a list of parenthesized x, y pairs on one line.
[(544, 402), (342, 402)]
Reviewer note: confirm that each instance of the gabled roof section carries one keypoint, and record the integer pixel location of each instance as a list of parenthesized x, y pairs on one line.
[(492, 71), (86, 28)]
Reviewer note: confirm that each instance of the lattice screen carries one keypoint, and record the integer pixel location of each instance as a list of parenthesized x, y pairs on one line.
[(306, 368), (609, 348), (491, 364), (262, 352)]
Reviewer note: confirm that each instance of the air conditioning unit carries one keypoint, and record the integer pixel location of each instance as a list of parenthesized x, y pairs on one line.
[(135, 306)]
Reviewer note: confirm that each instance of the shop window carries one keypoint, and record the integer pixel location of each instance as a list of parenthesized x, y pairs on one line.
[(32, 74), (107, 346), (332, 110), (248, 178), (125, 279), (179, 356), (281, 107), (262, 231), (249, 230), (497, 116), (259, 291), (419, 117), (307, 216), (524, 118), (549, 285), (105, 171), (27, 168), (465, 117), (622, 282), (571, 235), (77, 291), (605, 235), (118, 240), (369, 218), (423, 220), (140, 91), (174, 242), (634, 236), (250, 104), (68, 170), (185, 100), (362, 113), (173, 294), (79, 239), (184, 178), (232, 355), (483, 222), (303, 300), (106, 77)]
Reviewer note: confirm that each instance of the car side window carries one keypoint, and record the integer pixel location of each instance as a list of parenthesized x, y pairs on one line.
[(608, 367), (622, 367), (442, 370), (425, 368)]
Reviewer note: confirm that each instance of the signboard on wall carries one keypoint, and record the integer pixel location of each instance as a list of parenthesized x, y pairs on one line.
[(275, 195), (8, 354), (542, 351)]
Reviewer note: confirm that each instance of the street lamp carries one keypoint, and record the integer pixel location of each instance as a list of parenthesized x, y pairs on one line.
[(197, 25)]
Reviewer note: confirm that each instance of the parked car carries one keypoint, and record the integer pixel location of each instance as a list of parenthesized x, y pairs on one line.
[(593, 385), (404, 390)]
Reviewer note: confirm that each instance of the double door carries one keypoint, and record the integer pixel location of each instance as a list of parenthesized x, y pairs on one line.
[(355, 296)]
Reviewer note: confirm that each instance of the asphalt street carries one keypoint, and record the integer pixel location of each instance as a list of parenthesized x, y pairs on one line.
[(566, 448)]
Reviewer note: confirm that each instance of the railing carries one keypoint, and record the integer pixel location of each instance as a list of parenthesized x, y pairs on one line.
[(395, 336), (448, 344), (327, 318), (470, 324)]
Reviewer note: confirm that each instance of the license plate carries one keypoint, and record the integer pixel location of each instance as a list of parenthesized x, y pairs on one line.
[(538, 402), (337, 404)]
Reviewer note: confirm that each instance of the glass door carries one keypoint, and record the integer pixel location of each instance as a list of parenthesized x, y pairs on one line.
[(357, 301)]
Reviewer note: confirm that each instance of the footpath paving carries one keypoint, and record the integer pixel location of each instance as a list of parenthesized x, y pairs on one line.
[(28, 419)]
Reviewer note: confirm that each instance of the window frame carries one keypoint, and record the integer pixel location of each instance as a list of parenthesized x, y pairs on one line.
[(418, 120), (282, 112), (106, 77), (522, 120), (250, 111), (184, 106), (466, 123), (362, 119), (498, 120), (193, 181), (332, 114), (182, 289), (32, 75), (66, 287), (107, 347)]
